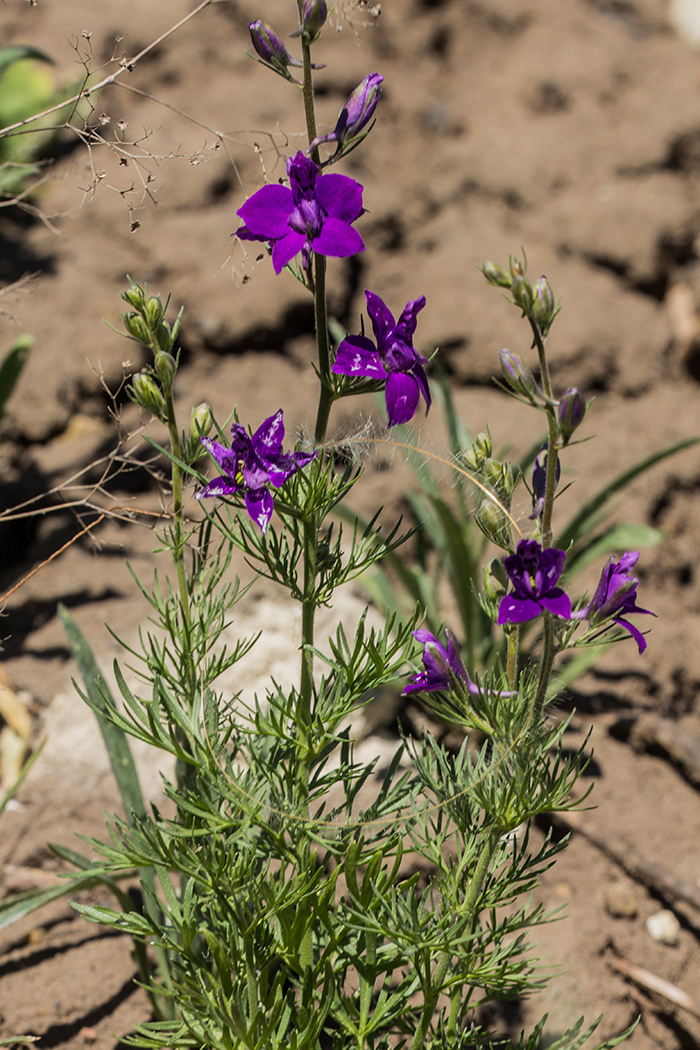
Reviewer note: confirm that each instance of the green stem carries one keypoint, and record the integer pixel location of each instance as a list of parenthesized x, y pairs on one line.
[(442, 965), (513, 649), (548, 654)]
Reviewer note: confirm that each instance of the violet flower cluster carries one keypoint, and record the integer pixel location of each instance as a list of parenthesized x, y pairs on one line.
[(533, 574), (391, 358), (252, 463)]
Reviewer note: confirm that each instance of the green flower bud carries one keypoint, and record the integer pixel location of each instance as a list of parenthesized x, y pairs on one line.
[(521, 290), (165, 367), (201, 421), (572, 410), (145, 392), (494, 523), (500, 479), (154, 312), (544, 309), (164, 337), (134, 296), (495, 579), (481, 449), (137, 328), (517, 375), (495, 274)]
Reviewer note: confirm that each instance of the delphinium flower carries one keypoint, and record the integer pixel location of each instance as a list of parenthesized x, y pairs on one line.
[(271, 49), (354, 116), (251, 463), (443, 666), (616, 597), (391, 357), (315, 212), (533, 574)]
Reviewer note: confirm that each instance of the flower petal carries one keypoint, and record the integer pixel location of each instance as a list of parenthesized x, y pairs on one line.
[(557, 602), (221, 486), (357, 356), (259, 504), (267, 439), (337, 239), (382, 320), (406, 324), (517, 610), (286, 248), (402, 396), (339, 196), (635, 632), (266, 212)]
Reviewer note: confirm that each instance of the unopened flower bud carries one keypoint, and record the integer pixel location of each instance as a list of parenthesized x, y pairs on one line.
[(314, 15), (270, 48), (481, 449), (154, 311), (145, 392), (495, 274), (517, 375), (494, 523), (164, 337), (500, 478), (134, 296), (165, 367), (137, 328), (517, 268), (495, 579), (572, 409), (201, 421), (355, 115), (521, 290), (544, 309)]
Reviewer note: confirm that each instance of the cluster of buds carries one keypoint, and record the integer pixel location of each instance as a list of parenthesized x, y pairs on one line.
[(146, 323), (498, 481), (536, 301)]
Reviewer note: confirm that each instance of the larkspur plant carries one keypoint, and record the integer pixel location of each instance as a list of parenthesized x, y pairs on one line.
[(283, 908)]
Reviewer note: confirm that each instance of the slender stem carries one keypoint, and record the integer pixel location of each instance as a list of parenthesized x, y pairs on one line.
[(513, 649), (548, 654), (442, 965)]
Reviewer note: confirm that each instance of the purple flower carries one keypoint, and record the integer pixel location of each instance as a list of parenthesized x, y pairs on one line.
[(393, 358), (443, 666), (533, 574), (251, 464), (355, 115), (539, 481), (315, 211), (616, 597)]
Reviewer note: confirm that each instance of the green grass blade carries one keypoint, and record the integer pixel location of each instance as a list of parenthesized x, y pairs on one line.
[(11, 368), (577, 526), (116, 741)]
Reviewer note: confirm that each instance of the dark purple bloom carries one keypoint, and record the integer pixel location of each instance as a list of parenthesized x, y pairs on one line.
[(313, 18), (533, 574), (314, 211), (443, 666), (391, 357), (616, 597), (572, 411), (251, 464), (355, 114)]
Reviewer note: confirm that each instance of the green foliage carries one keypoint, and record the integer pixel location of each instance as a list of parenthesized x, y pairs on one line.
[(27, 88)]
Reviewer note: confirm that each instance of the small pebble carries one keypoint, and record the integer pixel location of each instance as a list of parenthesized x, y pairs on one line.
[(620, 901), (663, 926)]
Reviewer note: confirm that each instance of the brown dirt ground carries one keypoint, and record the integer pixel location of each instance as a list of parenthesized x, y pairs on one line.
[(572, 129)]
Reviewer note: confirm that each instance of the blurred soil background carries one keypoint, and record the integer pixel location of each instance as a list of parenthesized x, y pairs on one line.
[(569, 128)]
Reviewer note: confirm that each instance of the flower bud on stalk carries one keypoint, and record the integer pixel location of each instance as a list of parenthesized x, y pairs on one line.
[(201, 422), (496, 275), (137, 328), (270, 48), (153, 312), (495, 579), (354, 116), (494, 523), (480, 451), (544, 309), (313, 18), (521, 290), (145, 392), (517, 375), (572, 409), (165, 367)]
